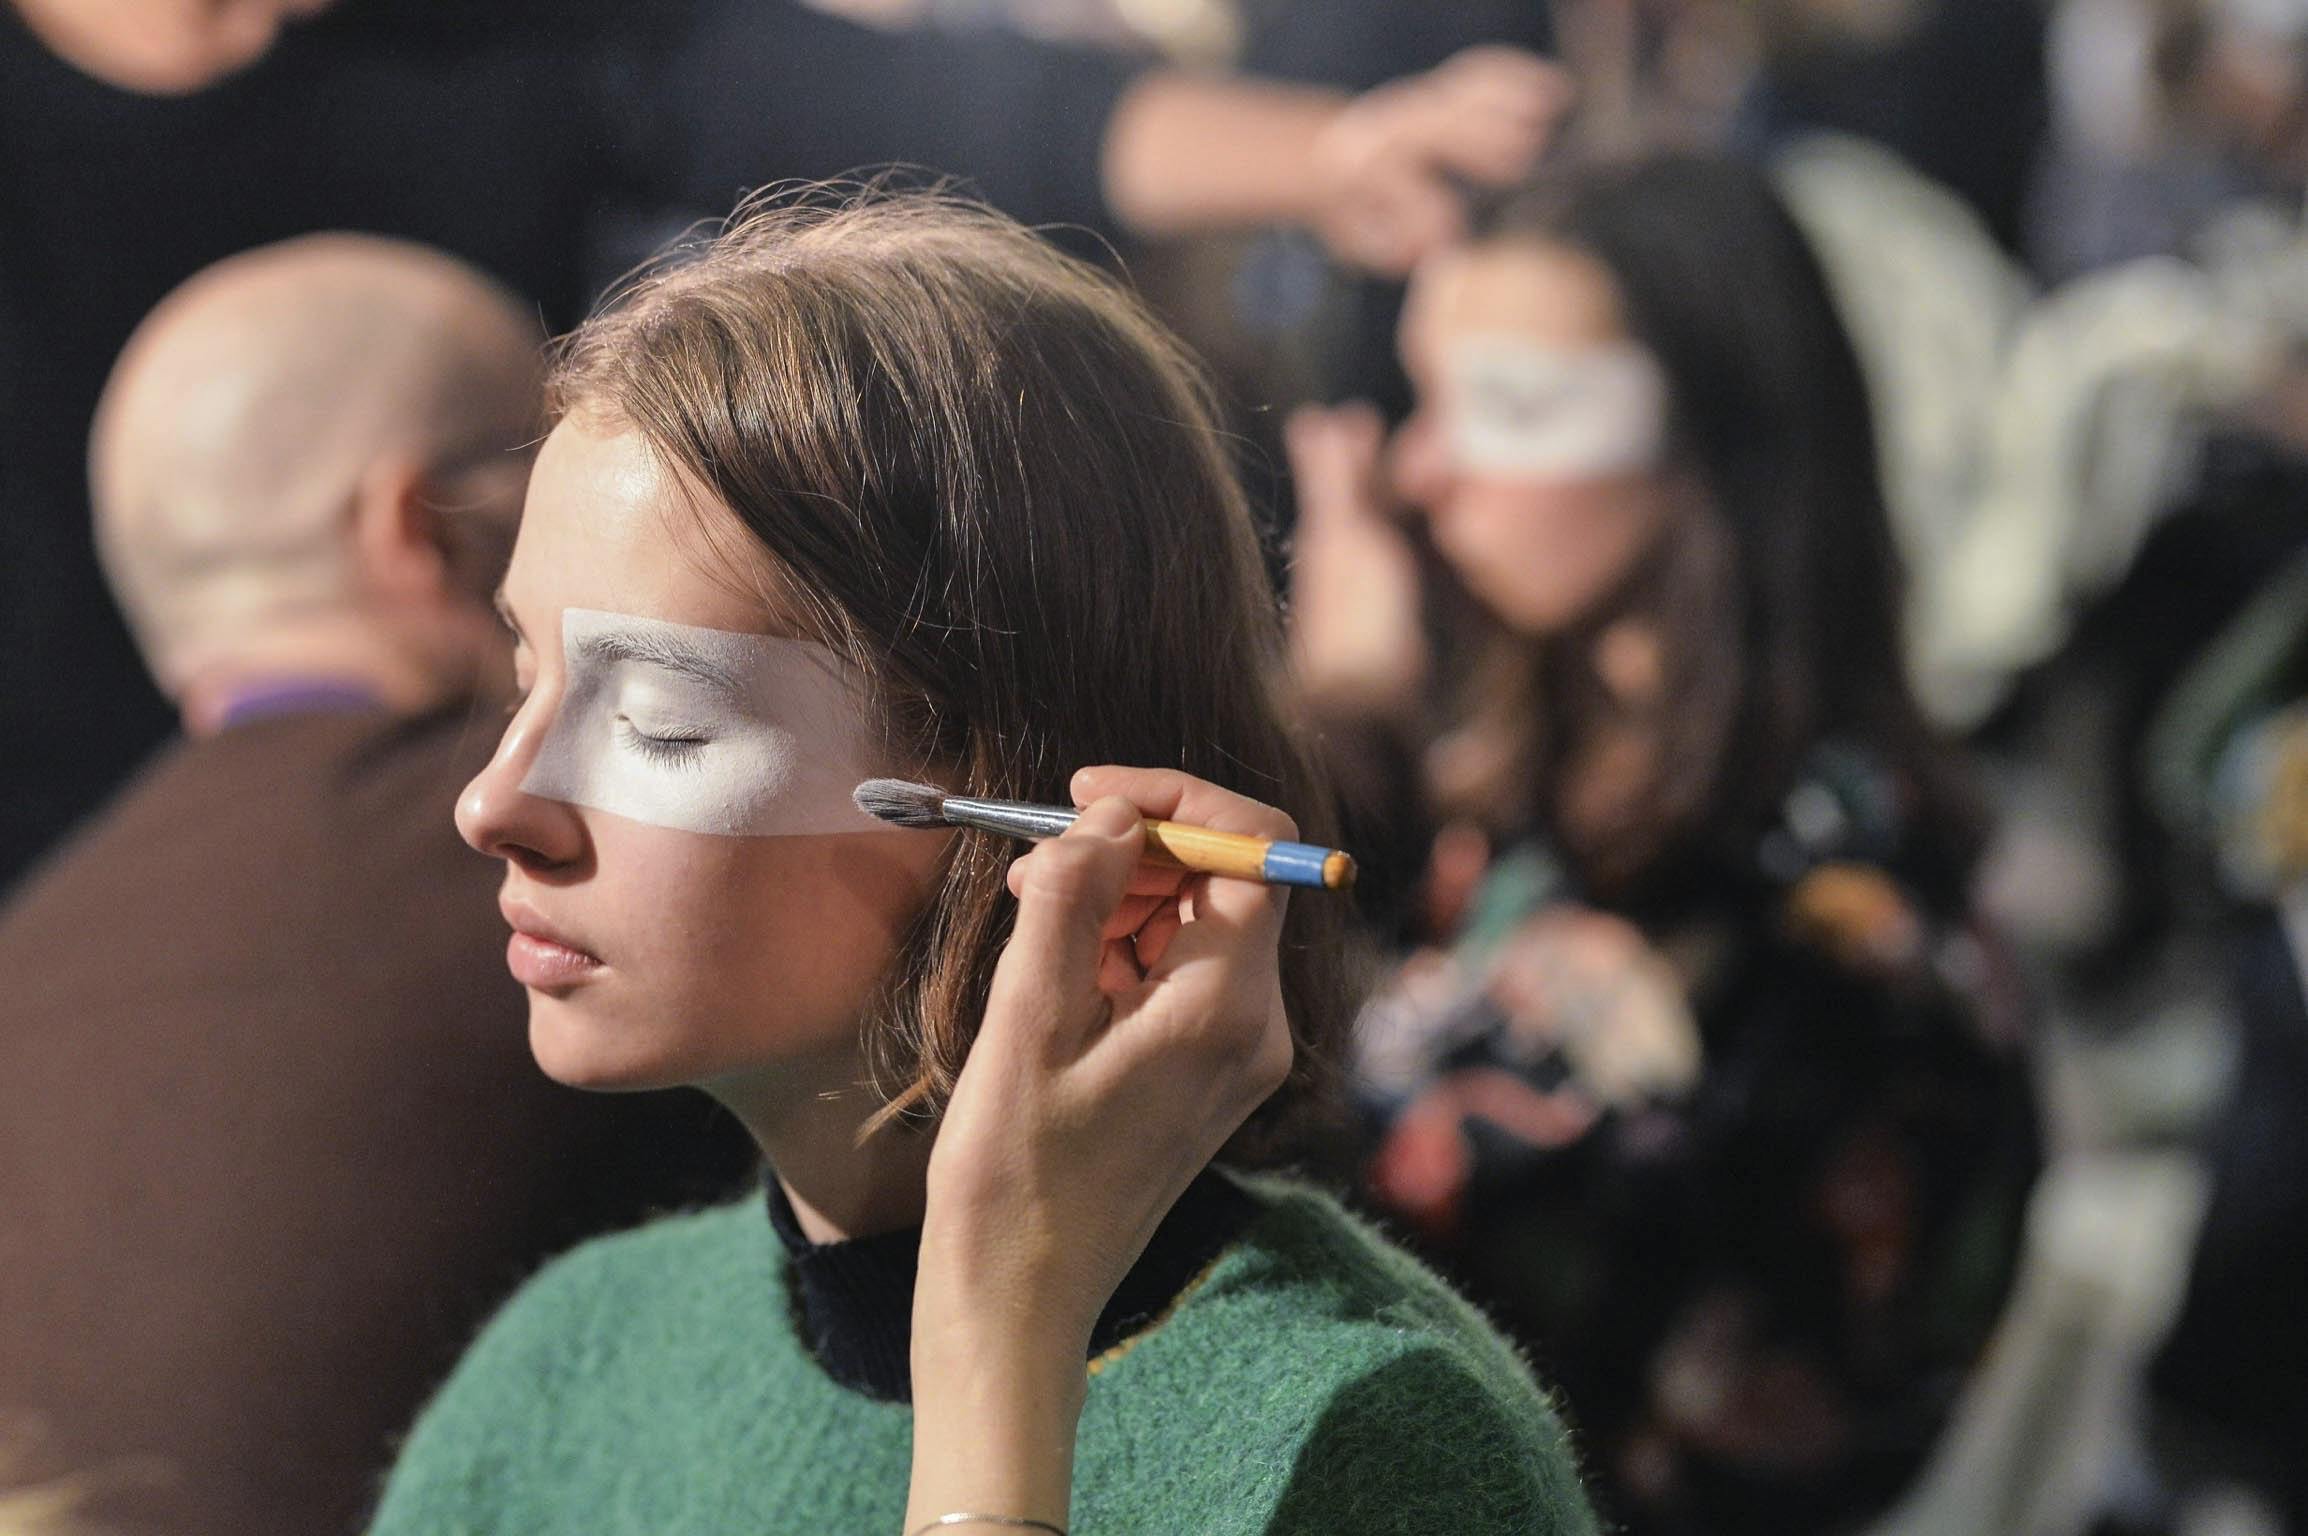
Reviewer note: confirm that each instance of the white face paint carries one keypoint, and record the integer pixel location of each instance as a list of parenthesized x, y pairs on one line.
[(706, 731), (1518, 410)]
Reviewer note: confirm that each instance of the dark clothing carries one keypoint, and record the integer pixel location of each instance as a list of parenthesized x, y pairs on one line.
[(1358, 44), (2232, 1378), (854, 1299), (2227, 761), (548, 144), (2236, 1361), (271, 1140), (1744, 1170), (753, 93), (1964, 98), (2222, 551)]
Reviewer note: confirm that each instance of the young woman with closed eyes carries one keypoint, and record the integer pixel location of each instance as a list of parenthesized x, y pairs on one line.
[(890, 487)]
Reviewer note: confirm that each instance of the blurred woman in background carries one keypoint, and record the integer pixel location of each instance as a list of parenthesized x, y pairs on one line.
[(1703, 1081)]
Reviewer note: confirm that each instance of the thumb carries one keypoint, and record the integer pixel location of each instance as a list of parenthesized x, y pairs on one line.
[(1046, 984)]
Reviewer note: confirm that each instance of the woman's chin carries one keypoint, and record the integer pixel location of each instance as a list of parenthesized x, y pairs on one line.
[(579, 1051)]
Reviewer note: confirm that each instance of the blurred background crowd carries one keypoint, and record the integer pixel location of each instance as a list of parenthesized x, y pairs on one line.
[(1794, 515)]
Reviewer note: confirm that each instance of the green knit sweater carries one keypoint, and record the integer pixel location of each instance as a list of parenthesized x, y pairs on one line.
[(1316, 1380)]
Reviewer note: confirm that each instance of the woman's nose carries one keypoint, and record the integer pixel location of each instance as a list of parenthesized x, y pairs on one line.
[(500, 818)]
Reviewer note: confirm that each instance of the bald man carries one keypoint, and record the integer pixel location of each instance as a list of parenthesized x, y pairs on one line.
[(271, 1143), (309, 460)]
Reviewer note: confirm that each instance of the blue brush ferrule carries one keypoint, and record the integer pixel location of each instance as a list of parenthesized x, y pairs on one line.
[(1295, 864)]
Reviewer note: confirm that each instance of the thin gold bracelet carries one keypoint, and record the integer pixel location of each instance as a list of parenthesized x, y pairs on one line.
[(1015, 1522)]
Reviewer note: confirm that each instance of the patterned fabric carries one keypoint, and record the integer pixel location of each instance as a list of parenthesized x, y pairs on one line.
[(1746, 1178)]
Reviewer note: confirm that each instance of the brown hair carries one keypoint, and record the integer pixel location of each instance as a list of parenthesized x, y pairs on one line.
[(1777, 591), (986, 475)]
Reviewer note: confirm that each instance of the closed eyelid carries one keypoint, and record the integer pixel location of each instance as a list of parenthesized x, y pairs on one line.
[(682, 752)]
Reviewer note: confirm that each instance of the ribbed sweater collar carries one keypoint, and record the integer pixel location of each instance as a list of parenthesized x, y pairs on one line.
[(854, 1299)]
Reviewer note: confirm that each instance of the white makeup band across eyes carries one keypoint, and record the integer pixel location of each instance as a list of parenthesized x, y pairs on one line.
[(704, 730), (1518, 410)]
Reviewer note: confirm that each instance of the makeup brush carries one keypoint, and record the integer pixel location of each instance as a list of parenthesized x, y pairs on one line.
[(1200, 849)]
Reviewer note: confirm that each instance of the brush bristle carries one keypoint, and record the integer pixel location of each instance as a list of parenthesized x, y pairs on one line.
[(901, 803)]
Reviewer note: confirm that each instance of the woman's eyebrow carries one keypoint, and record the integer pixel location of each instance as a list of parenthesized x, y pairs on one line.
[(656, 651)]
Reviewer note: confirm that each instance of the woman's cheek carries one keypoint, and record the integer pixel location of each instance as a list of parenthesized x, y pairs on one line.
[(1509, 547), (1545, 558), (777, 911)]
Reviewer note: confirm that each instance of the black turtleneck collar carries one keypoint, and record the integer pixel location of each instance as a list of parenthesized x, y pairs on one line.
[(854, 1299)]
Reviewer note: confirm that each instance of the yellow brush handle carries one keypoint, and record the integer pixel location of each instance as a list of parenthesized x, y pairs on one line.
[(1247, 858), (1206, 852)]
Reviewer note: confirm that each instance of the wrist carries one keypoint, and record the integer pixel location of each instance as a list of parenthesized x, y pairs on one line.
[(992, 1281), (970, 1346), (975, 1351), (998, 1309)]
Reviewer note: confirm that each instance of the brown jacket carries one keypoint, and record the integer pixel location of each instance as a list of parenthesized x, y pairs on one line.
[(271, 1142)]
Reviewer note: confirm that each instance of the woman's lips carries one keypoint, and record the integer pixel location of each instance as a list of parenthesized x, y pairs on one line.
[(539, 953), (536, 961)]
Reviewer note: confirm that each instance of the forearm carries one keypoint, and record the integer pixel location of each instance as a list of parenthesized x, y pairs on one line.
[(1185, 151), (999, 1378)]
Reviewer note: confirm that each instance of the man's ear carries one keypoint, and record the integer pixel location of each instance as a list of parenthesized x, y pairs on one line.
[(398, 539)]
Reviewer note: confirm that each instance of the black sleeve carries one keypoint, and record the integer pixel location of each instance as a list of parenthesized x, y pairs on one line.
[(754, 92), (1356, 44)]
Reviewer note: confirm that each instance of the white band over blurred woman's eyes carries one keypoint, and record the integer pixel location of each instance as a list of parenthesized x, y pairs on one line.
[(1521, 411), (704, 730)]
